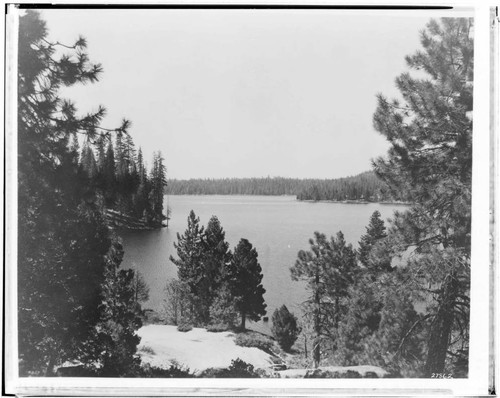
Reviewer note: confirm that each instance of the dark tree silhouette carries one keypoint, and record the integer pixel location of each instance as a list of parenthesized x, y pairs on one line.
[(245, 281), (430, 160), (285, 328), (63, 241)]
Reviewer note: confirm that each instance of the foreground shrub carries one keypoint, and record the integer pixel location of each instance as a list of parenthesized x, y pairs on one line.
[(238, 369), (328, 374), (147, 349), (174, 371), (255, 340), (218, 327), (75, 371), (185, 327), (285, 329)]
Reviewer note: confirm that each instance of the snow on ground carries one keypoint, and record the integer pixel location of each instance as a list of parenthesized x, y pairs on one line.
[(196, 349)]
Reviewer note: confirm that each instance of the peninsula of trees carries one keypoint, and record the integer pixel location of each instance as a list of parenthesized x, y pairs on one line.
[(365, 187), (116, 172)]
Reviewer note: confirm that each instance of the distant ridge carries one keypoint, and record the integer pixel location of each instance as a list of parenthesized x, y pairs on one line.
[(364, 187)]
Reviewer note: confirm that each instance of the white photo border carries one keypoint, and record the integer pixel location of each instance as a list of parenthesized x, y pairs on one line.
[(480, 333)]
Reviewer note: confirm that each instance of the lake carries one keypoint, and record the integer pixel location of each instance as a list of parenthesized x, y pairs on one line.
[(277, 226)]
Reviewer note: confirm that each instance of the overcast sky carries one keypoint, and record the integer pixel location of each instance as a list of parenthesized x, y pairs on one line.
[(244, 93)]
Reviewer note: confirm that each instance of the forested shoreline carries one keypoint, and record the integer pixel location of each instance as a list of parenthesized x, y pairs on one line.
[(364, 187), (115, 171)]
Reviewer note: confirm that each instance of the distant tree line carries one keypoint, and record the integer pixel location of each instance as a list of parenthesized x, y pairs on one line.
[(365, 186)]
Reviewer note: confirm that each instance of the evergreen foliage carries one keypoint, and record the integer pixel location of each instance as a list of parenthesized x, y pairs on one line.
[(223, 314), (255, 339), (329, 268), (374, 233), (70, 290), (177, 307), (190, 266), (237, 369), (220, 284), (120, 316), (245, 281), (430, 159), (141, 288), (285, 328)]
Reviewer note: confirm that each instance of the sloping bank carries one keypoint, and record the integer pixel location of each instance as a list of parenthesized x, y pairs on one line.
[(198, 350)]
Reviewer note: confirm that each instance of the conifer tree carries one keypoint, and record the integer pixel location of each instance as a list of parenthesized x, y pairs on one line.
[(101, 154), (430, 159), (374, 232), (115, 340), (75, 147), (329, 268), (87, 161), (190, 253), (59, 219), (285, 328), (120, 157), (109, 175), (141, 169), (245, 280), (158, 184), (217, 256), (141, 289)]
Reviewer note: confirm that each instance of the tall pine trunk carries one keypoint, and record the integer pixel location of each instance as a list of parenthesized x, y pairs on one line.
[(243, 319), (50, 371), (441, 328), (317, 325)]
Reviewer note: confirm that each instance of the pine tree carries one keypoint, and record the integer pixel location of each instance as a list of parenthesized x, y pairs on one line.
[(329, 268), (141, 289), (141, 169), (120, 316), (120, 157), (75, 147), (59, 288), (430, 160), (245, 281), (223, 314), (374, 232), (101, 154), (177, 303), (158, 184), (109, 176), (285, 328), (87, 161), (190, 253), (216, 257)]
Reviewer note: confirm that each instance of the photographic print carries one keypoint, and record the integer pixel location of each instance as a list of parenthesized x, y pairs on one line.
[(244, 193)]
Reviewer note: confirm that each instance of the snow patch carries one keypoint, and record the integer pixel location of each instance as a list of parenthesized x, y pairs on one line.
[(197, 349)]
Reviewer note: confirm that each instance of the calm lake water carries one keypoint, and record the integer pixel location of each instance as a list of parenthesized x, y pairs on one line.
[(277, 226)]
